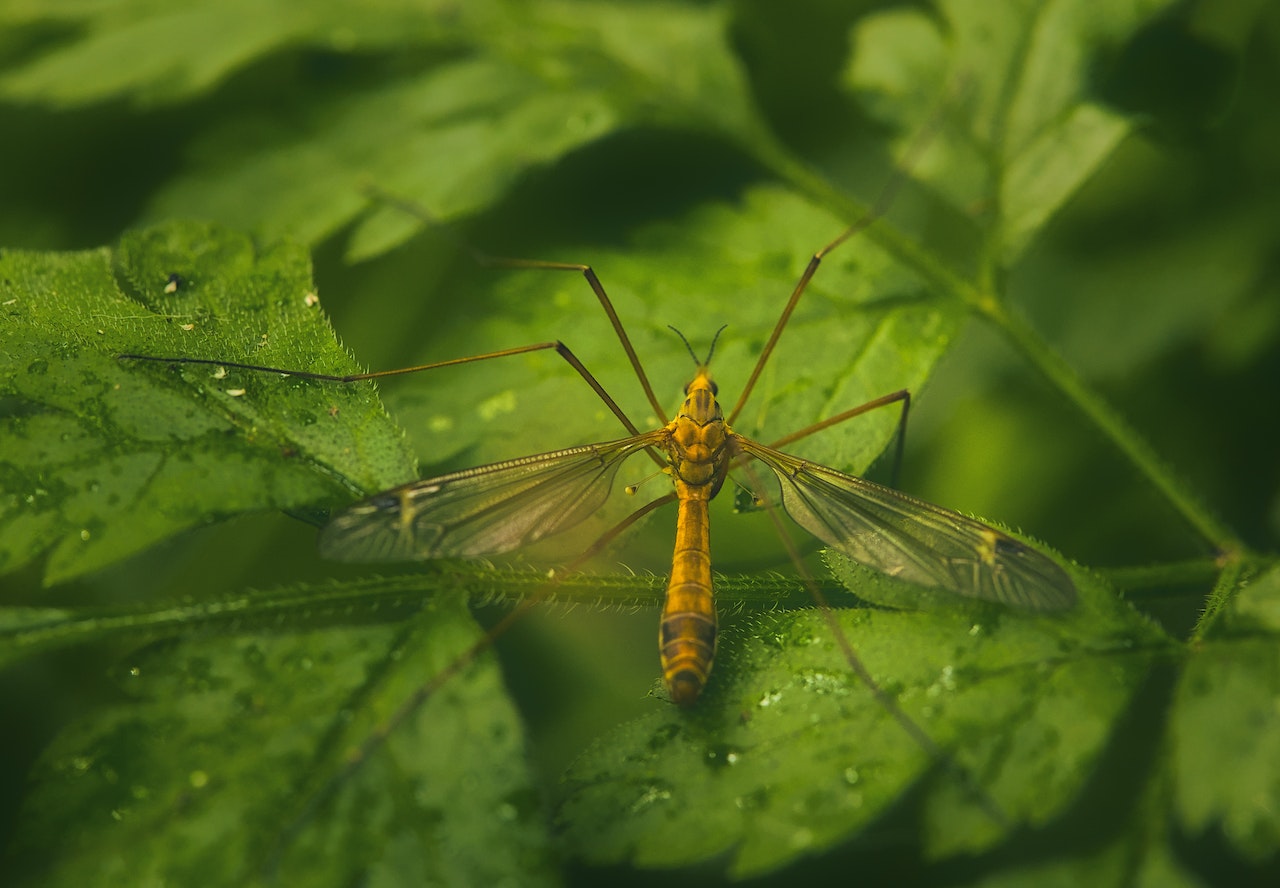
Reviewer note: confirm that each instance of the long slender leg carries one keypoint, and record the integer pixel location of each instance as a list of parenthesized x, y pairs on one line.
[(883, 401), (560, 348), (486, 259), (881, 206)]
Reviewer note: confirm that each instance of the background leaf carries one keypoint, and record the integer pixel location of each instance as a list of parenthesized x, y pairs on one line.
[(1023, 133), (103, 461), (1095, 186)]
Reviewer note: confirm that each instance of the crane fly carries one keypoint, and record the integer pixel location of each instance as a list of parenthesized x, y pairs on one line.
[(504, 506)]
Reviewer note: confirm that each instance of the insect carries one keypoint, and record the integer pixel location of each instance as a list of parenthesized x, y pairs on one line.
[(508, 505)]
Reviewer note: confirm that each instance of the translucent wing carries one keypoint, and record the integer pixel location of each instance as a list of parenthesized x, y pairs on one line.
[(481, 511), (909, 538)]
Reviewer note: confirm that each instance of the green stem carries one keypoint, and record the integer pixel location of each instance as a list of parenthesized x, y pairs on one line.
[(1155, 580), (1063, 377), (1224, 591), (31, 630)]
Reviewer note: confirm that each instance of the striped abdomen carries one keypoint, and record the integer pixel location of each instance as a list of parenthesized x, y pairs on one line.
[(688, 631)]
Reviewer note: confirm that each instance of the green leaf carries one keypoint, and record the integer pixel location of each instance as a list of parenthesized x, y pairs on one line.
[(792, 753), (1140, 853), (484, 115), (103, 457), (155, 52), (868, 327), (1225, 713), (508, 87), (1022, 129), (227, 762)]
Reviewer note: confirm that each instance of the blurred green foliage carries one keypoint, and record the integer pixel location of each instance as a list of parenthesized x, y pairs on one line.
[(1110, 177)]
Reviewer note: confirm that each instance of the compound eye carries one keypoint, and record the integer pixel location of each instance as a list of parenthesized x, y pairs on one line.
[(686, 387), (715, 389)]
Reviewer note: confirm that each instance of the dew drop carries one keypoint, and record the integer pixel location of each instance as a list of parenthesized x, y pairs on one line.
[(723, 755), (945, 682), (802, 838), (820, 682), (653, 794), (492, 408), (769, 699)]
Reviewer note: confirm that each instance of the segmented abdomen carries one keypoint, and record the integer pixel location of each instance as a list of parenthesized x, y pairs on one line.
[(688, 631)]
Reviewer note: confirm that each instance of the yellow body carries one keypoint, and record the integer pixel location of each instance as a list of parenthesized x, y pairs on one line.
[(699, 452)]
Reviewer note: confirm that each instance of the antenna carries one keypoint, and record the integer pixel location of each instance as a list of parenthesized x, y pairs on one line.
[(714, 339), (711, 351)]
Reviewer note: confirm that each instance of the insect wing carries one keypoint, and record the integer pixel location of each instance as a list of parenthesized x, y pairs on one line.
[(481, 511), (916, 541)]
